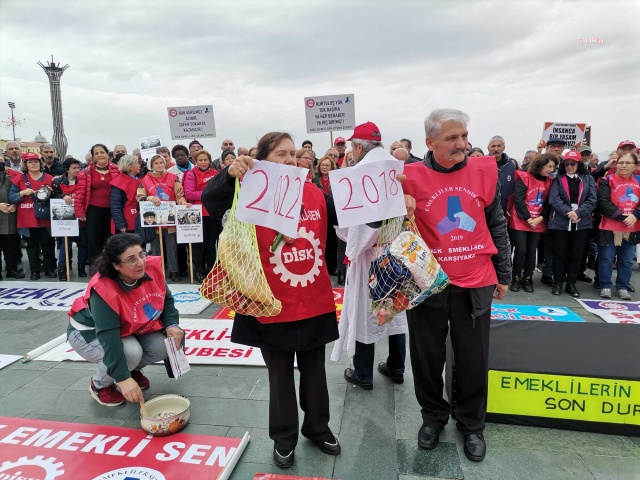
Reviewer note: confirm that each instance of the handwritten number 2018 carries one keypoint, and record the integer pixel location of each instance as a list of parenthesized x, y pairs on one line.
[(370, 189)]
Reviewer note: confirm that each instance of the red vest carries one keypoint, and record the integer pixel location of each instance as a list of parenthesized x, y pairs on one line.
[(68, 189), (26, 216), (451, 219), (297, 272), (537, 191), (129, 186), (139, 309), (625, 194), (161, 187), (201, 181)]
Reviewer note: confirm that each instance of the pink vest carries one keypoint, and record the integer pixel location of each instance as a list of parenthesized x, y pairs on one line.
[(625, 194), (451, 219), (535, 197)]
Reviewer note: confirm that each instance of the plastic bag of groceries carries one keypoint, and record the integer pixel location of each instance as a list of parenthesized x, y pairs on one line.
[(403, 272), (237, 280)]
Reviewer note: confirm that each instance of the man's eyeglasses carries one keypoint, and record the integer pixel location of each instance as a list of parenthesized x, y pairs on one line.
[(133, 259)]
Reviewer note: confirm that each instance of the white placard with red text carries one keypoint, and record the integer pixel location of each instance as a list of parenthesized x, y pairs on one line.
[(368, 192), (207, 342), (271, 196), (42, 449)]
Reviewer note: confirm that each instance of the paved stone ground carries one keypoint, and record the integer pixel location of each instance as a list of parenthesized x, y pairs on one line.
[(377, 428)]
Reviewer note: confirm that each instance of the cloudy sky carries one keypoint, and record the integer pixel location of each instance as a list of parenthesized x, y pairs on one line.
[(510, 65)]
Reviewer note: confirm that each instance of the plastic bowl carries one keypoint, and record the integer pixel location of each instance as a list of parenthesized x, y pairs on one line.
[(167, 414)]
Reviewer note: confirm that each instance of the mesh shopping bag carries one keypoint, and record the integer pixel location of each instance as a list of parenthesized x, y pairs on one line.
[(404, 271), (237, 280)]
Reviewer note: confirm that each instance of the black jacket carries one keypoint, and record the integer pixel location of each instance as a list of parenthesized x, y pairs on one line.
[(56, 168)]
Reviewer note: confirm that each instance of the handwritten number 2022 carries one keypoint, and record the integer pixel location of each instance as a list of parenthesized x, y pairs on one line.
[(370, 189), (279, 196)]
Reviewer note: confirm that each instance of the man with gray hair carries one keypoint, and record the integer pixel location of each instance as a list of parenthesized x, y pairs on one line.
[(528, 158), (506, 169), (459, 216), (52, 165), (14, 156), (119, 149)]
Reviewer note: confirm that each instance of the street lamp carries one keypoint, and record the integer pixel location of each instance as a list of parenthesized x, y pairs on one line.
[(13, 120)]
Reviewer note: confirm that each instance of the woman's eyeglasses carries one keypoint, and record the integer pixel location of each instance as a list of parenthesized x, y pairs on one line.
[(133, 259)]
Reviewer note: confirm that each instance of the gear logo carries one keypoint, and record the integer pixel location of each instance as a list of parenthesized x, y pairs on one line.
[(37, 468), (299, 264)]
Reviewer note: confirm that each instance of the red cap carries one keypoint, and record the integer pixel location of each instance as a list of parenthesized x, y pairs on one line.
[(367, 131), (572, 155), (626, 143), (339, 140), (30, 156)]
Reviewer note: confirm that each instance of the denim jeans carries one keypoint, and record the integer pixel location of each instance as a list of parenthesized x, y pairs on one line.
[(363, 358), (606, 255), (81, 242), (139, 351)]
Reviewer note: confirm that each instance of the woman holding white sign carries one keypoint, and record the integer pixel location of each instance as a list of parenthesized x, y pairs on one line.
[(161, 186), (295, 270)]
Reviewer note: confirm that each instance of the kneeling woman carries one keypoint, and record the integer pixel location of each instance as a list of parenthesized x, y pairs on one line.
[(121, 320), (307, 321)]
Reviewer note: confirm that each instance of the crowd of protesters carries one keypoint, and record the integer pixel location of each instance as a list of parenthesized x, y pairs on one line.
[(561, 213)]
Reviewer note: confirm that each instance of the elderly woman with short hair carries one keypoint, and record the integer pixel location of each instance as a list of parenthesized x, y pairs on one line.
[(124, 206)]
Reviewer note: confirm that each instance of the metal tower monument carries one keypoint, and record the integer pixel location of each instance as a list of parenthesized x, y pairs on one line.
[(54, 72)]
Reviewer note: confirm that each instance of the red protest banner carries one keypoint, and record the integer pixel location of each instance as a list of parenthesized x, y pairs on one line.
[(46, 450)]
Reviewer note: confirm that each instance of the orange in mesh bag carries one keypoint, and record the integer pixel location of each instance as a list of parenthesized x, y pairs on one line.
[(237, 280)]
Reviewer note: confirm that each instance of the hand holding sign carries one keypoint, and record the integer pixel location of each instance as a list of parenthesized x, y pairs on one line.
[(368, 192), (271, 194)]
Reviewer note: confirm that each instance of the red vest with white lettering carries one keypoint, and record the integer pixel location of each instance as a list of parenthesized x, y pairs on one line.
[(297, 272), (202, 177), (625, 194), (139, 309), (537, 191), (161, 187), (451, 219), (26, 216), (129, 186)]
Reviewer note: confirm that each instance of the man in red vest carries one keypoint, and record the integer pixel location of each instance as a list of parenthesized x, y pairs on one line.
[(458, 214)]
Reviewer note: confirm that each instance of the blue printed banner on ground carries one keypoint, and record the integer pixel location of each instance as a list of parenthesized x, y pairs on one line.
[(51, 296), (612, 311), (33, 448), (534, 312)]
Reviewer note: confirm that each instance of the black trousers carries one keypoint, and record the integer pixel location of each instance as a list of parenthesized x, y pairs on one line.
[(428, 328), (314, 397), (40, 243), (204, 254), (98, 227), (568, 248), (342, 247), (524, 258), (10, 247)]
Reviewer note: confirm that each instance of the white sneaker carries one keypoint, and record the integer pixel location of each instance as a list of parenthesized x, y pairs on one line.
[(606, 292), (623, 293)]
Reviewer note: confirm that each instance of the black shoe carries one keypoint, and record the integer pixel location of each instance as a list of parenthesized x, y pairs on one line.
[(527, 284), (515, 284), (174, 277), (583, 277), (383, 368), (329, 448), (199, 277), (341, 278), (428, 437), (183, 273), (596, 284), (557, 289), (35, 276), (283, 458), (51, 273), (15, 274), (350, 376), (62, 274), (629, 287), (81, 271), (591, 262), (474, 447), (572, 290), (547, 280)]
